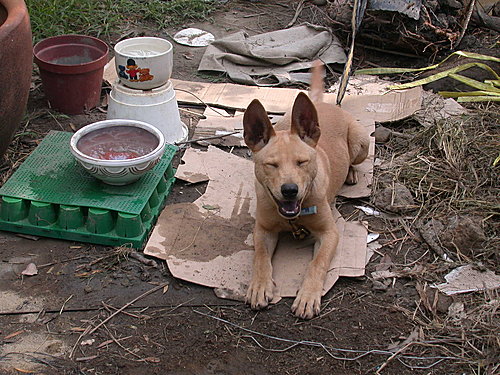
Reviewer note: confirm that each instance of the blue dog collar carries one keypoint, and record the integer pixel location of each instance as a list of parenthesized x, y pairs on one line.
[(308, 211)]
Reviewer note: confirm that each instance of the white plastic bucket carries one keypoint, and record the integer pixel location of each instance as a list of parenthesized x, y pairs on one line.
[(157, 107)]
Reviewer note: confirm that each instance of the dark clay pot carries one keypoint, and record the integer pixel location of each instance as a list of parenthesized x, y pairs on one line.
[(17, 59)]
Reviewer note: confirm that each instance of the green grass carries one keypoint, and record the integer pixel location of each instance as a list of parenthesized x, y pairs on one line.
[(101, 18)]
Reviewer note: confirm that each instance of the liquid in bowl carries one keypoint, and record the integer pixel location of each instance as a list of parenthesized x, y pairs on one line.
[(117, 143)]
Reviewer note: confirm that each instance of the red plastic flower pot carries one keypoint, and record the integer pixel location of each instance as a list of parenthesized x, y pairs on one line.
[(71, 69)]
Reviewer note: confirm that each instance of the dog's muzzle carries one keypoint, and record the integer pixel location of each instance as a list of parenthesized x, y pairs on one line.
[(290, 206)]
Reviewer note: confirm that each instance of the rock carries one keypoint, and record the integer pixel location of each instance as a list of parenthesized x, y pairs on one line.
[(461, 233), (440, 300), (145, 276), (430, 233), (380, 286), (456, 311), (382, 134), (397, 199), (30, 270)]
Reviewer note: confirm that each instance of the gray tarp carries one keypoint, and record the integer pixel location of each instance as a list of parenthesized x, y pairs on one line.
[(411, 8), (272, 58)]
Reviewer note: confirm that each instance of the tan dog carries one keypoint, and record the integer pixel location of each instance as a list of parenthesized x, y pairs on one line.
[(298, 170)]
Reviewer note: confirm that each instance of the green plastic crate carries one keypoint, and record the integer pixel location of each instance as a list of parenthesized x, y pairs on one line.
[(51, 195)]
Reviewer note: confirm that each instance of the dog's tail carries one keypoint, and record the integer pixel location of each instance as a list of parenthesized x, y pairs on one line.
[(317, 82)]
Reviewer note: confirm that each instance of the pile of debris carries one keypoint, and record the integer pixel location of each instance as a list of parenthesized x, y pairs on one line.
[(421, 27)]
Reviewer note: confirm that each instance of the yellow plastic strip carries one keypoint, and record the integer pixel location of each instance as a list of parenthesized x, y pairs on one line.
[(473, 83), (486, 98), (457, 94), (470, 55), (493, 82), (441, 75)]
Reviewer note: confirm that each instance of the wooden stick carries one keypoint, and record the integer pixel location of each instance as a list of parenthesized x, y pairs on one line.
[(466, 21), (127, 305), (206, 138), (296, 15), (95, 308)]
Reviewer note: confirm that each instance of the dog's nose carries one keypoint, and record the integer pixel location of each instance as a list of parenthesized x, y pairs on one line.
[(289, 191)]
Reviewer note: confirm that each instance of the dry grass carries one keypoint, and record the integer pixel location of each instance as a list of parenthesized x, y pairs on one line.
[(452, 170), (448, 166), (24, 141)]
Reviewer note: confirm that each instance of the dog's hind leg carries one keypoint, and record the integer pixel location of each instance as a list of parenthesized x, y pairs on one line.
[(358, 142)]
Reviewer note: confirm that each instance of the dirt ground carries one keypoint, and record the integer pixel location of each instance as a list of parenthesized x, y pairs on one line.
[(182, 328)]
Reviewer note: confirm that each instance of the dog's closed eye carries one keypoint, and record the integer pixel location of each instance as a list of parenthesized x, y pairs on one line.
[(272, 165), (302, 163)]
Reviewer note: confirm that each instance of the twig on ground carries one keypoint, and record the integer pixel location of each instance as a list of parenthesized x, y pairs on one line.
[(401, 350), (61, 261), (141, 258), (96, 308), (62, 307), (109, 308), (95, 261), (126, 305), (78, 341), (254, 15), (83, 359), (299, 9), (206, 138), (202, 102), (107, 342), (201, 115), (121, 346)]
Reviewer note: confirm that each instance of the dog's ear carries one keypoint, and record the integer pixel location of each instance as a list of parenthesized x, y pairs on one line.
[(305, 120), (257, 128)]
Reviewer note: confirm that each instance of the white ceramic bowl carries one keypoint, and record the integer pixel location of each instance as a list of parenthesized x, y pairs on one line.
[(118, 172), (144, 62), (157, 107)]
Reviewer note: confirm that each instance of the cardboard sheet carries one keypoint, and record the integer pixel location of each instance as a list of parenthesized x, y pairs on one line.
[(218, 123), (467, 278), (367, 108), (209, 241), (387, 107)]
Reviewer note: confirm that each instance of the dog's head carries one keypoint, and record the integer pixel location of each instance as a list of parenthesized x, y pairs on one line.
[(285, 161)]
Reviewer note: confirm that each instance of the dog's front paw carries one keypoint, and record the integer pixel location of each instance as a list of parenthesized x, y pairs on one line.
[(307, 304), (260, 293)]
